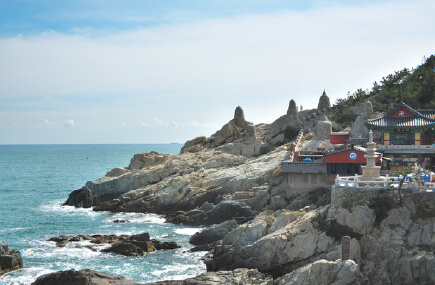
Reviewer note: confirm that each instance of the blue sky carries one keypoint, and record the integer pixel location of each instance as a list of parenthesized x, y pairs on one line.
[(167, 71)]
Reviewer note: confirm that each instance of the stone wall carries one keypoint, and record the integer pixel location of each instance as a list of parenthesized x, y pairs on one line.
[(303, 167), (352, 196), (305, 182)]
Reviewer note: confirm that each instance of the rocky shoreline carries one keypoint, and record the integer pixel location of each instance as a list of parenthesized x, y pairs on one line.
[(134, 245), (10, 259), (260, 231)]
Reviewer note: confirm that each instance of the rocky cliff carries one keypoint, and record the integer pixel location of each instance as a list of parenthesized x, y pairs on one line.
[(257, 230)]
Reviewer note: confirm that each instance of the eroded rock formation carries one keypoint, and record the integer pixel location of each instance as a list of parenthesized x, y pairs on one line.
[(10, 259)]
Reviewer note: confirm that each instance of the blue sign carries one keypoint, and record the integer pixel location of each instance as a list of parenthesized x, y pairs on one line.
[(353, 155)]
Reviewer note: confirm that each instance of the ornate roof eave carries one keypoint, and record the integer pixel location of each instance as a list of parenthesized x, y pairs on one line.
[(379, 128), (400, 105)]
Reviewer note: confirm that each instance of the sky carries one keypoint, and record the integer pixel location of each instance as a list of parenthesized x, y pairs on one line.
[(163, 71)]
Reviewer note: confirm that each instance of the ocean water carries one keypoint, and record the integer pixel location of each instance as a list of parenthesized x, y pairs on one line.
[(35, 180)]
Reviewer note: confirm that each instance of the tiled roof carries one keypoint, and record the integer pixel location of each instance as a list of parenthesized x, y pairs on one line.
[(362, 149), (422, 119), (397, 122)]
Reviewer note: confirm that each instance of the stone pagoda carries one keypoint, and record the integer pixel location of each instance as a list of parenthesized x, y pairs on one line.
[(370, 170)]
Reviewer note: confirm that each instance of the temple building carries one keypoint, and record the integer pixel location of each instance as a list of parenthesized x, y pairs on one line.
[(407, 136)]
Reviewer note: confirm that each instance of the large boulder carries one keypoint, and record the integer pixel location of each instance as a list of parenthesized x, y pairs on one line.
[(275, 243), (143, 160), (363, 112), (324, 272), (360, 218), (214, 233), (80, 198), (223, 211), (82, 277), (139, 245), (230, 131), (10, 259), (194, 144)]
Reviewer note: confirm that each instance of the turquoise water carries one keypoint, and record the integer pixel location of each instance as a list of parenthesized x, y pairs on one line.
[(34, 182)]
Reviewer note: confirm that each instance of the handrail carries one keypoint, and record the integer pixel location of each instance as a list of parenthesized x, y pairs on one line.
[(354, 182)]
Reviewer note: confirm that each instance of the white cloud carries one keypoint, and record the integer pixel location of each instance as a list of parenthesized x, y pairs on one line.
[(123, 124), (157, 123), (146, 125), (69, 123), (284, 53), (160, 123), (193, 75), (46, 122)]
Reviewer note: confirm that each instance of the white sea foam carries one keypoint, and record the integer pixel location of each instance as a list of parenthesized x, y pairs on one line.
[(188, 231), (16, 229), (56, 207), (24, 276), (139, 218), (176, 271)]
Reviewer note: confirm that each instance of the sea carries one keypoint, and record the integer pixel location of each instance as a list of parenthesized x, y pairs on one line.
[(35, 180)]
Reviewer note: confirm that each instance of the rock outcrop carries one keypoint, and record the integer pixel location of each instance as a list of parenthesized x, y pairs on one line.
[(240, 276), (292, 118), (184, 183), (134, 245), (303, 247), (213, 233), (10, 259), (363, 112), (82, 277), (238, 132), (325, 272), (143, 160)]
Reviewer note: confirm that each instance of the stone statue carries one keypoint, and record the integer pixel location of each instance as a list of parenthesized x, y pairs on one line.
[(324, 103)]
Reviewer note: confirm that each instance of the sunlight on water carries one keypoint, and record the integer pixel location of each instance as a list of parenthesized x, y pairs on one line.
[(35, 191)]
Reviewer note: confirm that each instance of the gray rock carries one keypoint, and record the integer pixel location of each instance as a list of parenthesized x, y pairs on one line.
[(214, 233), (10, 259), (324, 272), (82, 277), (143, 160), (363, 112), (117, 171), (239, 118), (359, 218), (240, 276), (196, 141)]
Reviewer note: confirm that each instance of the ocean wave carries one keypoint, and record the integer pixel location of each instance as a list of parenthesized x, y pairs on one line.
[(137, 218), (188, 231), (24, 276), (17, 229), (55, 207), (176, 271)]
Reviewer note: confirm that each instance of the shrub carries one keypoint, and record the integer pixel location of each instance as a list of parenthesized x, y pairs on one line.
[(381, 205), (334, 229)]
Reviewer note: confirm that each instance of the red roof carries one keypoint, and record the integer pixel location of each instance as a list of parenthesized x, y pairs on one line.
[(351, 155)]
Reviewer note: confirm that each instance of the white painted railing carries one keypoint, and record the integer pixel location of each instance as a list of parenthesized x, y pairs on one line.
[(354, 182), (417, 147)]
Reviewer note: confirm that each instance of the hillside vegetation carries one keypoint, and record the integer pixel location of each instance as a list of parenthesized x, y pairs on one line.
[(415, 87)]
